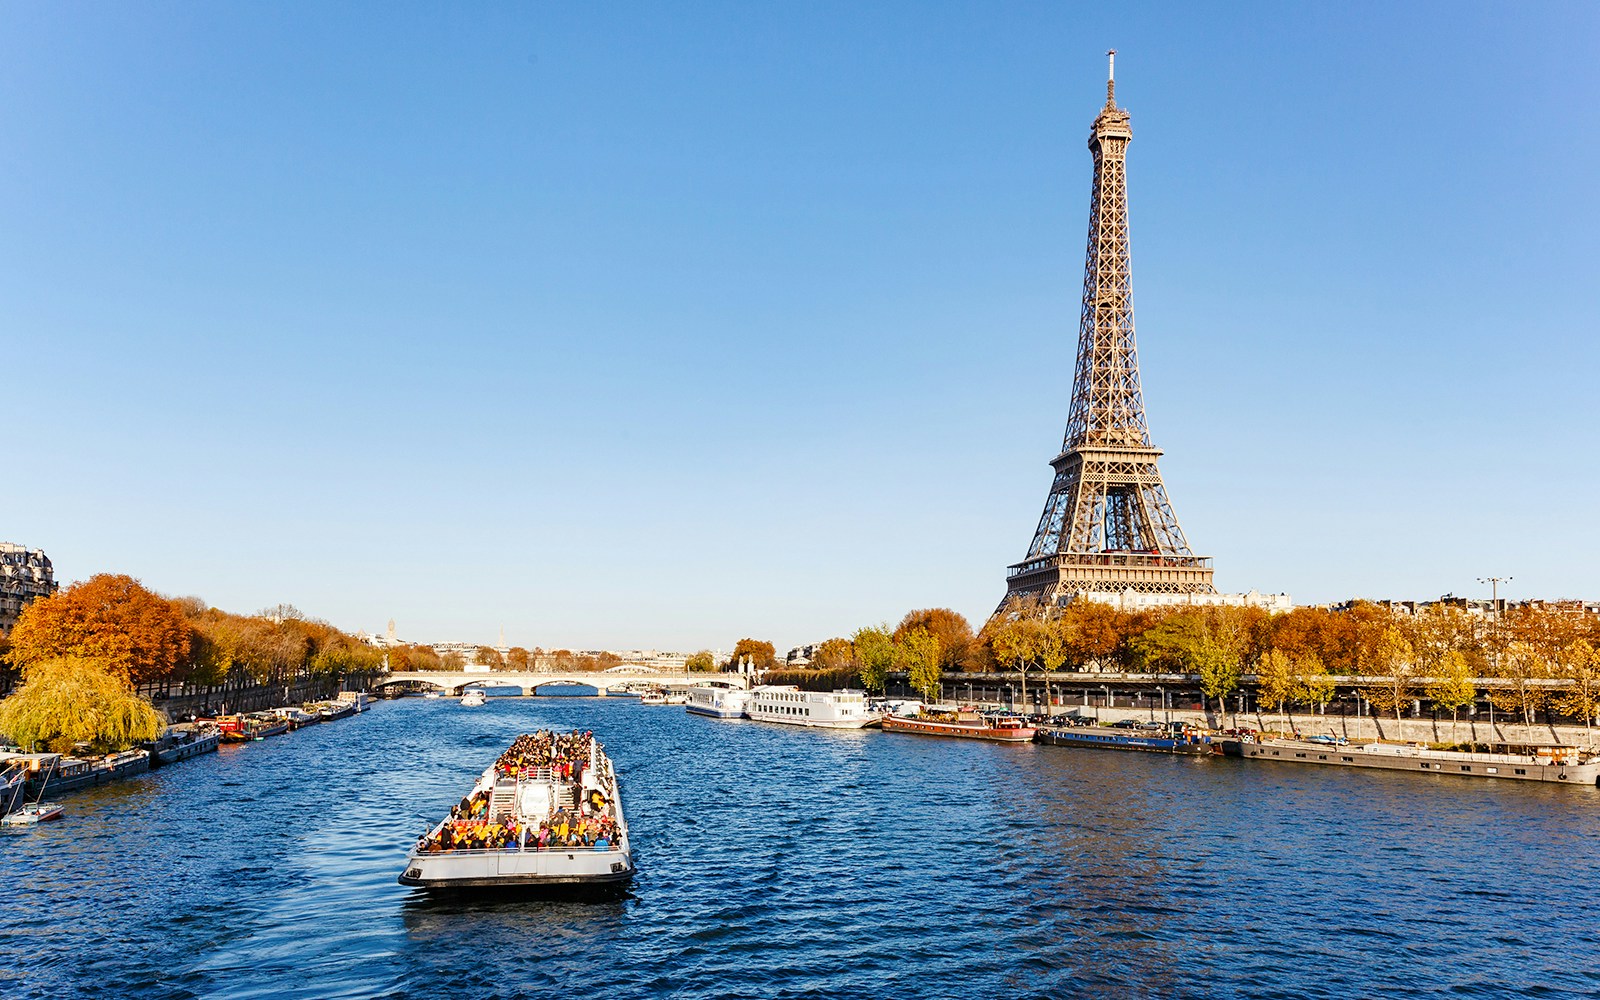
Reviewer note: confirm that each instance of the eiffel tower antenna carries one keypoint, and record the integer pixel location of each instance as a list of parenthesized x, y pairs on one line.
[(1108, 527)]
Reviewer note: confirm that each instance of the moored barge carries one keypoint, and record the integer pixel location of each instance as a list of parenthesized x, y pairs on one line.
[(1165, 741), (971, 726), (546, 816), (1567, 765)]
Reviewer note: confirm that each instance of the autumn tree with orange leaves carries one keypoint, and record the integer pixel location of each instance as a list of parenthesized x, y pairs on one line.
[(111, 619)]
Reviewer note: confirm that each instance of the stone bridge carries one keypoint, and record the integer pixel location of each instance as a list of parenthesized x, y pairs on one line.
[(454, 681)]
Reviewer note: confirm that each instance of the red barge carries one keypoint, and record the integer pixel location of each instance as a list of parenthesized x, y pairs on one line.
[(971, 726)]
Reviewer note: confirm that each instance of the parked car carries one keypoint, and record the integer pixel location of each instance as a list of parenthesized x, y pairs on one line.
[(1126, 724)]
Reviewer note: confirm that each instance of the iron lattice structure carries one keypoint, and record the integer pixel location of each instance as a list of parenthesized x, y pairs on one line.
[(1108, 525)]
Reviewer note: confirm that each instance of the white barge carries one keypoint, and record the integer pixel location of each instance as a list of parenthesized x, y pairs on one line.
[(1560, 764), (546, 815), (791, 706)]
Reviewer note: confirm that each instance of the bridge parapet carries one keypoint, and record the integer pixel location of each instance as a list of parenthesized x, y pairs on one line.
[(453, 681)]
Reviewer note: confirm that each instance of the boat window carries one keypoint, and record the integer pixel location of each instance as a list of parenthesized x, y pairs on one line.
[(1521, 770)]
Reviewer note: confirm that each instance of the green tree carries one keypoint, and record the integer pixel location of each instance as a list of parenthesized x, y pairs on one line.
[(1275, 680), (1055, 645), (701, 662), (874, 652), (1451, 685), (917, 653), (69, 700), (1313, 685), (1016, 644), (1218, 670)]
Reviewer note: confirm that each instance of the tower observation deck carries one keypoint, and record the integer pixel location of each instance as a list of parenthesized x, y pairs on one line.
[(1108, 526)]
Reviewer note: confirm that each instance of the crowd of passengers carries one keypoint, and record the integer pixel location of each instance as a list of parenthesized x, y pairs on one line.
[(471, 828), (565, 754), (566, 829)]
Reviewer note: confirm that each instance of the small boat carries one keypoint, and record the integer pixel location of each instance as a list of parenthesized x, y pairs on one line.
[(34, 812), (474, 698), (430, 694), (963, 725)]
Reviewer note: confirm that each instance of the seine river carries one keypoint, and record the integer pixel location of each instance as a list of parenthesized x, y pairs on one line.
[(783, 862)]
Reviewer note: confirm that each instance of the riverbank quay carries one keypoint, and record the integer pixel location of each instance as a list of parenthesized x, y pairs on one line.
[(54, 774), (1173, 697)]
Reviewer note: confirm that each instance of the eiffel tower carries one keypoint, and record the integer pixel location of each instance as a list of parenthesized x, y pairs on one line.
[(1108, 527)]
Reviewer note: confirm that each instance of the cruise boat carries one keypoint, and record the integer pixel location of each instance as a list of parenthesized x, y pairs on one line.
[(791, 706), (718, 702), (474, 698), (962, 725), (547, 815), (1535, 763), (1157, 740)]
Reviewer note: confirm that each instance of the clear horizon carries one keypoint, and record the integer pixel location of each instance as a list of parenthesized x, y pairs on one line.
[(658, 327)]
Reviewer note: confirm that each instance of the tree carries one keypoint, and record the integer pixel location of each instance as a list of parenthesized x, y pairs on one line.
[(701, 662), (488, 656), (874, 652), (69, 700), (1055, 641), (948, 628), (1524, 668), (1097, 632), (452, 661), (917, 652), (1218, 670), (518, 658), (834, 654), (1390, 667), (1017, 644), (1313, 684), (1451, 686), (1579, 666), (112, 619), (1275, 679), (761, 653)]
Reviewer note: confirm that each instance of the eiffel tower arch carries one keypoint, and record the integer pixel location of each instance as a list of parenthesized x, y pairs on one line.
[(1108, 525)]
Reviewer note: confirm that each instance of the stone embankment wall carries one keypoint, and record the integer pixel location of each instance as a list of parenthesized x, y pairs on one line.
[(250, 699)]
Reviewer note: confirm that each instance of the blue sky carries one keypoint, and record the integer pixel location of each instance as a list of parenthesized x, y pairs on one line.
[(666, 324)]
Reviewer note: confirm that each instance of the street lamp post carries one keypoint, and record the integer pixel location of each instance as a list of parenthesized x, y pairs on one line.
[(1494, 583)]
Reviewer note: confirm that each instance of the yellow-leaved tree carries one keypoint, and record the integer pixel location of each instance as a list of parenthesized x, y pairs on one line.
[(68, 700)]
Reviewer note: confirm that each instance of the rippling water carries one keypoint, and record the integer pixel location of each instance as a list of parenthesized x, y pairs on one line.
[(782, 862)]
